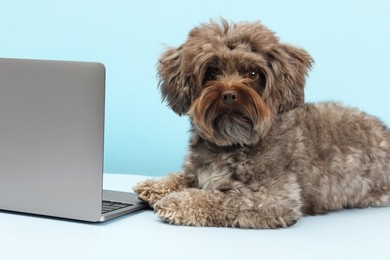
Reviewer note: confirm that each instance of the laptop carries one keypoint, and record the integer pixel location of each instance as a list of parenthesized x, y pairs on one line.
[(51, 141)]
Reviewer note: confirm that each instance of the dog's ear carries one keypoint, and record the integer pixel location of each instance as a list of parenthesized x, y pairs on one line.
[(289, 66), (174, 84)]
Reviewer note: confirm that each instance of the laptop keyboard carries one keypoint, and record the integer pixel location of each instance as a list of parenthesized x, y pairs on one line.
[(109, 206)]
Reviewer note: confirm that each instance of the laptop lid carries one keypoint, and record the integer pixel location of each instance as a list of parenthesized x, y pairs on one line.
[(51, 137)]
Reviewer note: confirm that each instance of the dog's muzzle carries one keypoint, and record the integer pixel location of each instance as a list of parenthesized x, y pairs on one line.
[(230, 114)]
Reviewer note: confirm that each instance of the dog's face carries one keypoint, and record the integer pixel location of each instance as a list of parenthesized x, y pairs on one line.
[(232, 79)]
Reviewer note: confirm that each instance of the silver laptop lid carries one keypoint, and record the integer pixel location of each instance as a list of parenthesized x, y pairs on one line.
[(51, 137)]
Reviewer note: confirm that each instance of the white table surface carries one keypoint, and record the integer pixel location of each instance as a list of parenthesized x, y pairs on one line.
[(349, 234)]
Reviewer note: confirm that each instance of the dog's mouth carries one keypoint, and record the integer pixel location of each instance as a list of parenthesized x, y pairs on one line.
[(232, 117)]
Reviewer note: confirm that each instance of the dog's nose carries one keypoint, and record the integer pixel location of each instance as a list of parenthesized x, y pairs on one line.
[(229, 97)]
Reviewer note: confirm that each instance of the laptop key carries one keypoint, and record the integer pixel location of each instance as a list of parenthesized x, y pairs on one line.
[(108, 206)]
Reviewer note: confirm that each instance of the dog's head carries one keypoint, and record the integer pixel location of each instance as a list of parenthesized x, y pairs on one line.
[(232, 79)]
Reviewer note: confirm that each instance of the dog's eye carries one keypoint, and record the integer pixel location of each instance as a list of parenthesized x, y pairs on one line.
[(252, 74), (211, 74)]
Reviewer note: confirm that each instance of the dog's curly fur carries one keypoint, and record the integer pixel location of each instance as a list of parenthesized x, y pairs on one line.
[(258, 156)]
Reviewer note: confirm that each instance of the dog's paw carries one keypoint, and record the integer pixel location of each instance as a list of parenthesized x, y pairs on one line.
[(263, 220), (184, 208), (151, 190), (197, 207), (154, 189)]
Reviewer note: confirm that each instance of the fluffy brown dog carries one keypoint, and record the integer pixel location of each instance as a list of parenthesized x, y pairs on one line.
[(258, 156)]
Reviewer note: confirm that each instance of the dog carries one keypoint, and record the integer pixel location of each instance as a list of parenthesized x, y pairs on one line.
[(258, 156)]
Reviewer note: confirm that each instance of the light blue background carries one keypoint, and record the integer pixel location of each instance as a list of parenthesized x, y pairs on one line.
[(349, 41)]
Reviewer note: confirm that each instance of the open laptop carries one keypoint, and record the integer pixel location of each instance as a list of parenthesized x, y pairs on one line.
[(51, 141)]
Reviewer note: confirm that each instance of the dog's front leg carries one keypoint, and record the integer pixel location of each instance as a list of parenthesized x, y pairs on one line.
[(152, 190), (198, 207)]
